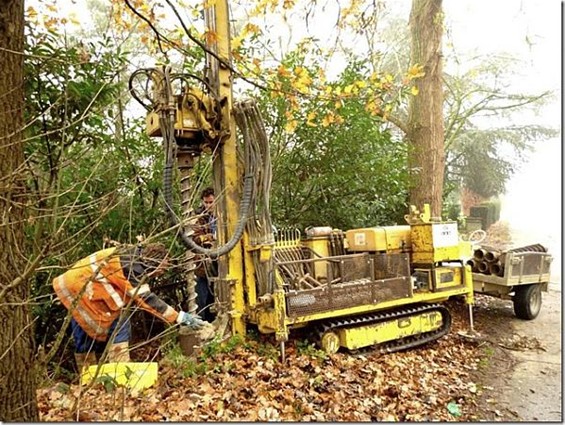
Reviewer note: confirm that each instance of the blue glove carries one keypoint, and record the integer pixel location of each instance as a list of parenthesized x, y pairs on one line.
[(190, 320)]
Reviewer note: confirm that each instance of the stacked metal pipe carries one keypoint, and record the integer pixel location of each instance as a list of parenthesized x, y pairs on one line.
[(492, 262)]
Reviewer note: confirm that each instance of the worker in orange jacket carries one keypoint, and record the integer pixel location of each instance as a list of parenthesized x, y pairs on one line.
[(98, 288)]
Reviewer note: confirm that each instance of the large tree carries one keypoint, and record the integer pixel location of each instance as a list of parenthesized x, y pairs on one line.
[(425, 130), (17, 380)]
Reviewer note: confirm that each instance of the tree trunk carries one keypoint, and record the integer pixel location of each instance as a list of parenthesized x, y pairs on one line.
[(17, 380), (426, 156)]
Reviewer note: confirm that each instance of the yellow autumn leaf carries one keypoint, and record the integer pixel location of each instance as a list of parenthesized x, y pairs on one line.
[(292, 101), (250, 28), (31, 12), (282, 71), (348, 89), (310, 117), (288, 4), (328, 120), (211, 36), (416, 71), (195, 13), (236, 55), (414, 90), (236, 42), (291, 126), (301, 87), (305, 80), (50, 23), (145, 8)]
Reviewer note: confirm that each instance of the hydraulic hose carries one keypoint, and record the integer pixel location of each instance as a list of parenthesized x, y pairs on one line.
[(187, 240), (164, 104)]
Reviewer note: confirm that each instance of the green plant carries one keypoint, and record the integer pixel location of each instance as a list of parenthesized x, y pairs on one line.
[(109, 382), (306, 348), (217, 346), (187, 367), (318, 382), (267, 350), (173, 354), (192, 368), (484, 361)]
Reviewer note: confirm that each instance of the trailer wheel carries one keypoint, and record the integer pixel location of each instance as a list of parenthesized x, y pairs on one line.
[(527, 301)]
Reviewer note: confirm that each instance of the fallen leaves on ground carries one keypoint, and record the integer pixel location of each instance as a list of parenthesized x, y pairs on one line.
[(522, 343), (249, 383)]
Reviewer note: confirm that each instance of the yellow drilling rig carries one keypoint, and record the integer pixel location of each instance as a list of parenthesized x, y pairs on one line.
[(375, 286)]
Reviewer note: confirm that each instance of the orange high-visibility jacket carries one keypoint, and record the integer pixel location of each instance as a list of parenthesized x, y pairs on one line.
[(107, 291)]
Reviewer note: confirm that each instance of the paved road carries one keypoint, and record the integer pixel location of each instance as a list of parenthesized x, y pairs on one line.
[(534, 390)]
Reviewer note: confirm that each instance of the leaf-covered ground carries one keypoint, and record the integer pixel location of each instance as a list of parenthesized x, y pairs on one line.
[(245, 381)]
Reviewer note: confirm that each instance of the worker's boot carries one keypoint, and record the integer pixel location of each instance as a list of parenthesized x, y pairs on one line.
[(118, 352), (85, 360)]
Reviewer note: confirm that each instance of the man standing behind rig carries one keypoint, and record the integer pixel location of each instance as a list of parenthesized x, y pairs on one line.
[(205, 236)]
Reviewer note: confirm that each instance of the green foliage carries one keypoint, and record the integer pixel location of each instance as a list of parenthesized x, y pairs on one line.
[(186, 366), (344, 175), (216, 346), (484, 361), (268, 351), (109, 382), (306, 348)]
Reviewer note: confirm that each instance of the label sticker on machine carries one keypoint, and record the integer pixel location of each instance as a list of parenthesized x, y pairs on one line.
[(360, 239), (445, 234)]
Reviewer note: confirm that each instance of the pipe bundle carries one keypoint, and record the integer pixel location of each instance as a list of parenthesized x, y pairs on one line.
[(493, 262)]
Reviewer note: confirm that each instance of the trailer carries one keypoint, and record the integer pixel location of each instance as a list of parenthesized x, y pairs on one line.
[(519, 275)]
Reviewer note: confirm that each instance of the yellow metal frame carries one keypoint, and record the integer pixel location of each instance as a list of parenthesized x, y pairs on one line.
[(269, 319), (226, 165), (320, 246)]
